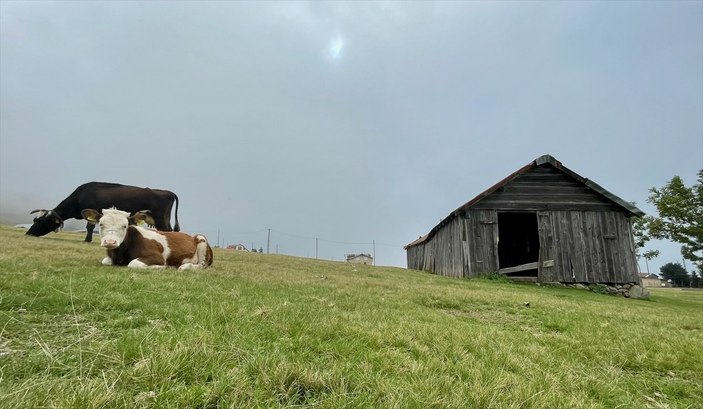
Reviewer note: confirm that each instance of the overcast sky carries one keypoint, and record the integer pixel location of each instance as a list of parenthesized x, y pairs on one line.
[(344, 121)]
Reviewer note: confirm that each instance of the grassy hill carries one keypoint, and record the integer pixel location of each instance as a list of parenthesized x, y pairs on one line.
[(260, 330)]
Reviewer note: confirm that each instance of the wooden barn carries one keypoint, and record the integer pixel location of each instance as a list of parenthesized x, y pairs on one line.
[(542, 223)]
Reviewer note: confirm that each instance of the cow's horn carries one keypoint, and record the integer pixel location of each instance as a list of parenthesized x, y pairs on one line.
[(42, 212)]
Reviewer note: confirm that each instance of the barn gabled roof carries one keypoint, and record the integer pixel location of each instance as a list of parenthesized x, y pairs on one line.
[(627, 207)]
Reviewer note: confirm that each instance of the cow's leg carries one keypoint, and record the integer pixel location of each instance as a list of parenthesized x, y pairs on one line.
[(201, 249), (136, 263), (162, 223), (188, 266), (89, 232), (148, 261), (198, 260), (166, 221), (107, 261)]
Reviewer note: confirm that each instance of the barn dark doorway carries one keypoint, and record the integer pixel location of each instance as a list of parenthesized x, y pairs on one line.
[(518, 244)]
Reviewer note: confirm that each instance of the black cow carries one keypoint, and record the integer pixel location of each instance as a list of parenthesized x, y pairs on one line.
[(100, 195)]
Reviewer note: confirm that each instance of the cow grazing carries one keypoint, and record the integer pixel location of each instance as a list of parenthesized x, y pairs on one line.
[(139, 247), (99, 195)]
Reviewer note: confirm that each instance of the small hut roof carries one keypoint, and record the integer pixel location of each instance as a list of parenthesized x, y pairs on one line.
[(627, 207)]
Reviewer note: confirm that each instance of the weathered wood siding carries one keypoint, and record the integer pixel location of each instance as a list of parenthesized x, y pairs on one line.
[(465, 247), (480, 241), (545, 188), (441, 255), (586, 247), (415, 257)]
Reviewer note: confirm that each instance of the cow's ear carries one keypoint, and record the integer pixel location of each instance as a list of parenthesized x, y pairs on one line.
[(142, 217), (91, 215), (149, 219)]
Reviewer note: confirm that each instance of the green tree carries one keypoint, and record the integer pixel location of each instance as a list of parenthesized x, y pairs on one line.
[(648, 255), (640, 231), (676, 273), (680, 217)]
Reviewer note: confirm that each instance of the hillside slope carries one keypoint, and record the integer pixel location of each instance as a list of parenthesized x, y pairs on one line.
[(260, 330)]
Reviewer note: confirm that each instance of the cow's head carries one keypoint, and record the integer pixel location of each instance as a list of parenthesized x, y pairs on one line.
[(46, 222), (143, 217), (113, 224)]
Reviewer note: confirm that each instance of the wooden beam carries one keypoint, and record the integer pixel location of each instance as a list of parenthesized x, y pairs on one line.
[(522, 267), (523, 279)]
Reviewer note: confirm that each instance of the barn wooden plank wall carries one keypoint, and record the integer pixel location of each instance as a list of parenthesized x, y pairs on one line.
[(583, 235), (481, 241), (465, 247), (586, 247)]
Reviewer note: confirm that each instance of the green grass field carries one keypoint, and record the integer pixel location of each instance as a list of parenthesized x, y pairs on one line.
[(260, 330)]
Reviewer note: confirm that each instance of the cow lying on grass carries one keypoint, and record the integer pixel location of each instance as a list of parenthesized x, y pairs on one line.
[(138, 247)]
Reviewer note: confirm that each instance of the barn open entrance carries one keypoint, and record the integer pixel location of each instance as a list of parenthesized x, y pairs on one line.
[(518, 244)]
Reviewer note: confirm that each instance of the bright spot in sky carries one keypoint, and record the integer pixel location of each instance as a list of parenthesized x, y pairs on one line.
[(336, 47)]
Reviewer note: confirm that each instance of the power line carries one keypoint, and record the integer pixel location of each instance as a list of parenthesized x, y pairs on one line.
[(336, 241), (318, 240), (243, 233)]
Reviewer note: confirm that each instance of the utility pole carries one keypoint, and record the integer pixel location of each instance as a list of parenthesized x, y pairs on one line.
[(268, 242), (374, 253), (316, 247), (683, 260), (218, 237)]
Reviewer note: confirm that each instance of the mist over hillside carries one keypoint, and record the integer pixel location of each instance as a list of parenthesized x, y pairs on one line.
[(16, 208)]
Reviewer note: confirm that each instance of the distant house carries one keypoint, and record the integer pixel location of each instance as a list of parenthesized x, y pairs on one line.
[(360, 259), (541, 223), (237, 247), (652, 281)]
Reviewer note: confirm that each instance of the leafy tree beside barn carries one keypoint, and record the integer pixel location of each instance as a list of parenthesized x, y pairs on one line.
[(640, 233), (679, 219)]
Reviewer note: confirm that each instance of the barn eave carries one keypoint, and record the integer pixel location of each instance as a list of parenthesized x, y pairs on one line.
[(628, 208)]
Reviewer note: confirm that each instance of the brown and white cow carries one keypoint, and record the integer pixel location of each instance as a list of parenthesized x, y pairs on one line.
[(138, 247)]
